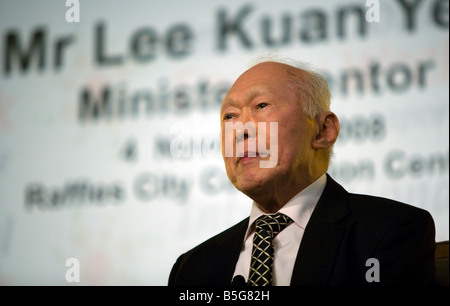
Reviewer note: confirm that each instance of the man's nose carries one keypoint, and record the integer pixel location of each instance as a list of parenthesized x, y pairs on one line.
[(246, 116), (250, 125)]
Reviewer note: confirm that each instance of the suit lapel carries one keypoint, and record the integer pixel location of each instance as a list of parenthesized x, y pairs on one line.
[(227, 252), (322, 236)]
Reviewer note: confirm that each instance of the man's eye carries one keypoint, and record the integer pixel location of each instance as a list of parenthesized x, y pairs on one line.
[(261, 105), (227, 116)]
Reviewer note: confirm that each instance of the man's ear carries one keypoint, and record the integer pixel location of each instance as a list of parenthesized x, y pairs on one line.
[(327, 130)]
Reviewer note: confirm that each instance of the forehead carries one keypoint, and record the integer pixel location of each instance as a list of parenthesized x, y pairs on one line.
[(247, 94), (263, 79)]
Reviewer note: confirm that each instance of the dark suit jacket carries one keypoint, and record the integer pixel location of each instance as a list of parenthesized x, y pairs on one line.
[(344, 231)]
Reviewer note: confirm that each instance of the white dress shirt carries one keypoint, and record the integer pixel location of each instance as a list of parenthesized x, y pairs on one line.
[(287, 242)]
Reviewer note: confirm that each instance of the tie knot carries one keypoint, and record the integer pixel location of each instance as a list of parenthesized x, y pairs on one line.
[(272, 224)]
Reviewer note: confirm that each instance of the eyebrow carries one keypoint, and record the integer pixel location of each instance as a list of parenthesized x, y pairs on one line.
[(249, 95), (227, 102)]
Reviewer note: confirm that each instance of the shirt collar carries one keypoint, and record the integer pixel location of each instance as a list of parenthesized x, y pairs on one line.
[(299, 208)]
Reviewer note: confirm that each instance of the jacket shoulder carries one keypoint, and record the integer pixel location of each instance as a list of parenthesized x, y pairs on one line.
[(380, 208), (212, 261), (221, 237)]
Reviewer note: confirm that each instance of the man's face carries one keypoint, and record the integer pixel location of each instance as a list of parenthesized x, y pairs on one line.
[(264, 94)]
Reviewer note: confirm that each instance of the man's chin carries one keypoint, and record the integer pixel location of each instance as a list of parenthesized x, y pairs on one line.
[(251, 186)]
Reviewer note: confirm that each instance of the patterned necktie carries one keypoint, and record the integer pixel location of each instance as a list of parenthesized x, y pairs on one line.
[(267, 227)]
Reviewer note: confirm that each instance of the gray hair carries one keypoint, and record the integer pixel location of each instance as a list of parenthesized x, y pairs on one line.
[(313, 89)]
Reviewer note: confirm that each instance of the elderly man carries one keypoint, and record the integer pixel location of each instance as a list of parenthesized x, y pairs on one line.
[(304, 228)]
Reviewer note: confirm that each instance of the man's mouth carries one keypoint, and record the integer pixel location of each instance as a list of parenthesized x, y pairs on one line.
[(247, 156)]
